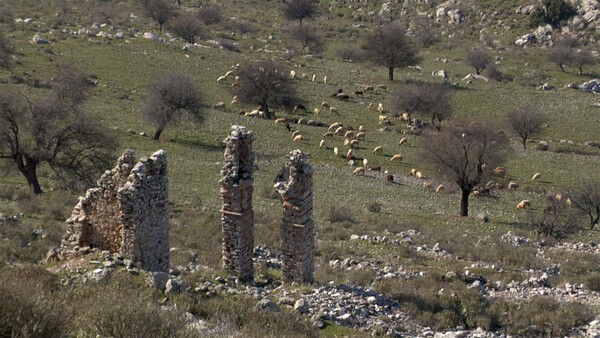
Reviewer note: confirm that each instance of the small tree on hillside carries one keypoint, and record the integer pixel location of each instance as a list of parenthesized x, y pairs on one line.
[(428, 99), (464, 153), (187, 26), (299, 9), (587, 199), (265, 83), (159, 10), (308, 38), (388, 46), (562, 53), (169, 96), (526, 122), (557, 219), (553, 12), (582, 58), (53, 130), (6, 51), (478, 59), (425, 34)]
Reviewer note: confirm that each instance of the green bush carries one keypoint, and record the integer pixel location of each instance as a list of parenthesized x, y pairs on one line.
[(553, 12)]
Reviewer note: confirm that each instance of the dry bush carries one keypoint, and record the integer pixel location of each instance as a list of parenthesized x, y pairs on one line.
[(592, 282), (339, 213)]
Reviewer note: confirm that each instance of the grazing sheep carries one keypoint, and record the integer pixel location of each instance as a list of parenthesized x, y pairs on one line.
[(314, 78), (426, 184), (383, 119), (405, 117), (325, 105), (342, 97), (384, 87), (351, 163), (536, 177), (304, 76), (221, 78), (490, 184), (413, 172), (220, 105), (230, 72), (361, 129), (292, 74), (512, 185), (280, 120), (328, 134), (439, 188), (336, 151), (317, 111), (396, 157), (499, 186), (349, 155), (523, 204), (334, 126), (325, 79), (303, 120), (299, 106), (402, 141), (353, 144), (365, 162), (359, 170), (334, 110), (500, 171), (295, 133), (347, 142), (368, 89), (360, 135), (376, 168), (419, 175), (339, 131), (234, 100), (378, 150), (369, 105), (321, 144), (349, 134), (380, 107), (298, 138)]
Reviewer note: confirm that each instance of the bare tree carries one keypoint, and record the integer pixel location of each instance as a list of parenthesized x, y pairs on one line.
[(308, 38), (169, 96), (187, 26), (428, 99), (159, 10), (562, 52), (424, 32), (464, 153), (299, 9), (52, 131), (388, 46), (6, 51), (526, 122), (478, 59), (557, 219), (210, 14), (582, 58), (587, 199), (265, 83)]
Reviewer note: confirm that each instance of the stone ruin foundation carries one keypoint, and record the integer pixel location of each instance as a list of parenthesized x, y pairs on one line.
[(237, 217), (294, 184), (127, 213)]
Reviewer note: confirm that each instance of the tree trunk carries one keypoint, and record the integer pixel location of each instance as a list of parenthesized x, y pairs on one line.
[(561, 66), (157, 133), (464, 202), (391, 73), (266, 112), (524, 142), (29, 170)]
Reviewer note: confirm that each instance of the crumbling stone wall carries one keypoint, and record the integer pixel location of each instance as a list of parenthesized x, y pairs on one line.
[(294, 184), (237, 218), (127, 212)]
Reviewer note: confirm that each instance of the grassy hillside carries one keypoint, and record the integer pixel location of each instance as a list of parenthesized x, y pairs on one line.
[(345, 205)]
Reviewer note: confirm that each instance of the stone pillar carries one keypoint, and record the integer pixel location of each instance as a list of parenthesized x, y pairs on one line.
[(127, 213), (237, 217), (294, 184)]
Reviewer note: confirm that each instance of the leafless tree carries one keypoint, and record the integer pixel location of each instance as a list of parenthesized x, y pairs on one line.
[(424, 32), (465, 153), (159, 10), (6, 51), (582, 58), (388, 46), (299, 9), (265, 83), (526, 122), (169, 96), (562, 52), (52, 130), (428, 99), (187, 26), (210, 14), (478, 59), (586, 198), (557, 219), (308, 38)]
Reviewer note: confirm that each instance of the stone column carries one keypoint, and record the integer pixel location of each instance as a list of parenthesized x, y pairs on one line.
[(294, 184), (237, 217)]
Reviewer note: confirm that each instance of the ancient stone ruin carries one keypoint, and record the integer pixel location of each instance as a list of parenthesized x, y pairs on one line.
[(127, 213), (294, 184), (237, 218)]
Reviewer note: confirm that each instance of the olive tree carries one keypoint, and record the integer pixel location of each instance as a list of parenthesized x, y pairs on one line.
[(465, 153), (187, 26), (53, 130), (562, 53), (526, 122), (159, 10), (170, 95), (299, 9), (265, 83), (586, 198), (6, 51), (428, 99), (388, 46), (478, 59)]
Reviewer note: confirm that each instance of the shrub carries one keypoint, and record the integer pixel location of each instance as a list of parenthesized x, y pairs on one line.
[(348, 54), (592, 282), (210, 14), (374, 207), (339, 214), (553, 12)]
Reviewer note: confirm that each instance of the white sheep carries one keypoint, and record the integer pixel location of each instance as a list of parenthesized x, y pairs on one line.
[(339, 131), (314, 78), (380, 107), (383, 119), (512, 185), (360, 135), (396, 157), (536, 177), (298, 138), (325, 79), (349, 154), (426, 184), (365, 162), (353, 144), (317, 111), (228, 73), (402, 141), (378, 150), (361, 128), (419, 175), (280, 120), (220, 105), (413, 172), (234, 100), (325, 105), (439, 188), (359, 170), (321, 144), (405, 117), (334, 110), (334, 126), (295, 133), (328, 134), (523, 204), (349, 134), (221, 78), (336, 151), (292, 74), (500, 171), (304, 76)]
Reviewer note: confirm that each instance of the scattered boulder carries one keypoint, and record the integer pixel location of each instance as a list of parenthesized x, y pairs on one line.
[(157, 280), (527, 39), (546, 86), (174, 286), (39, 40), (301, 306), (475, 77), (266, 304)]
